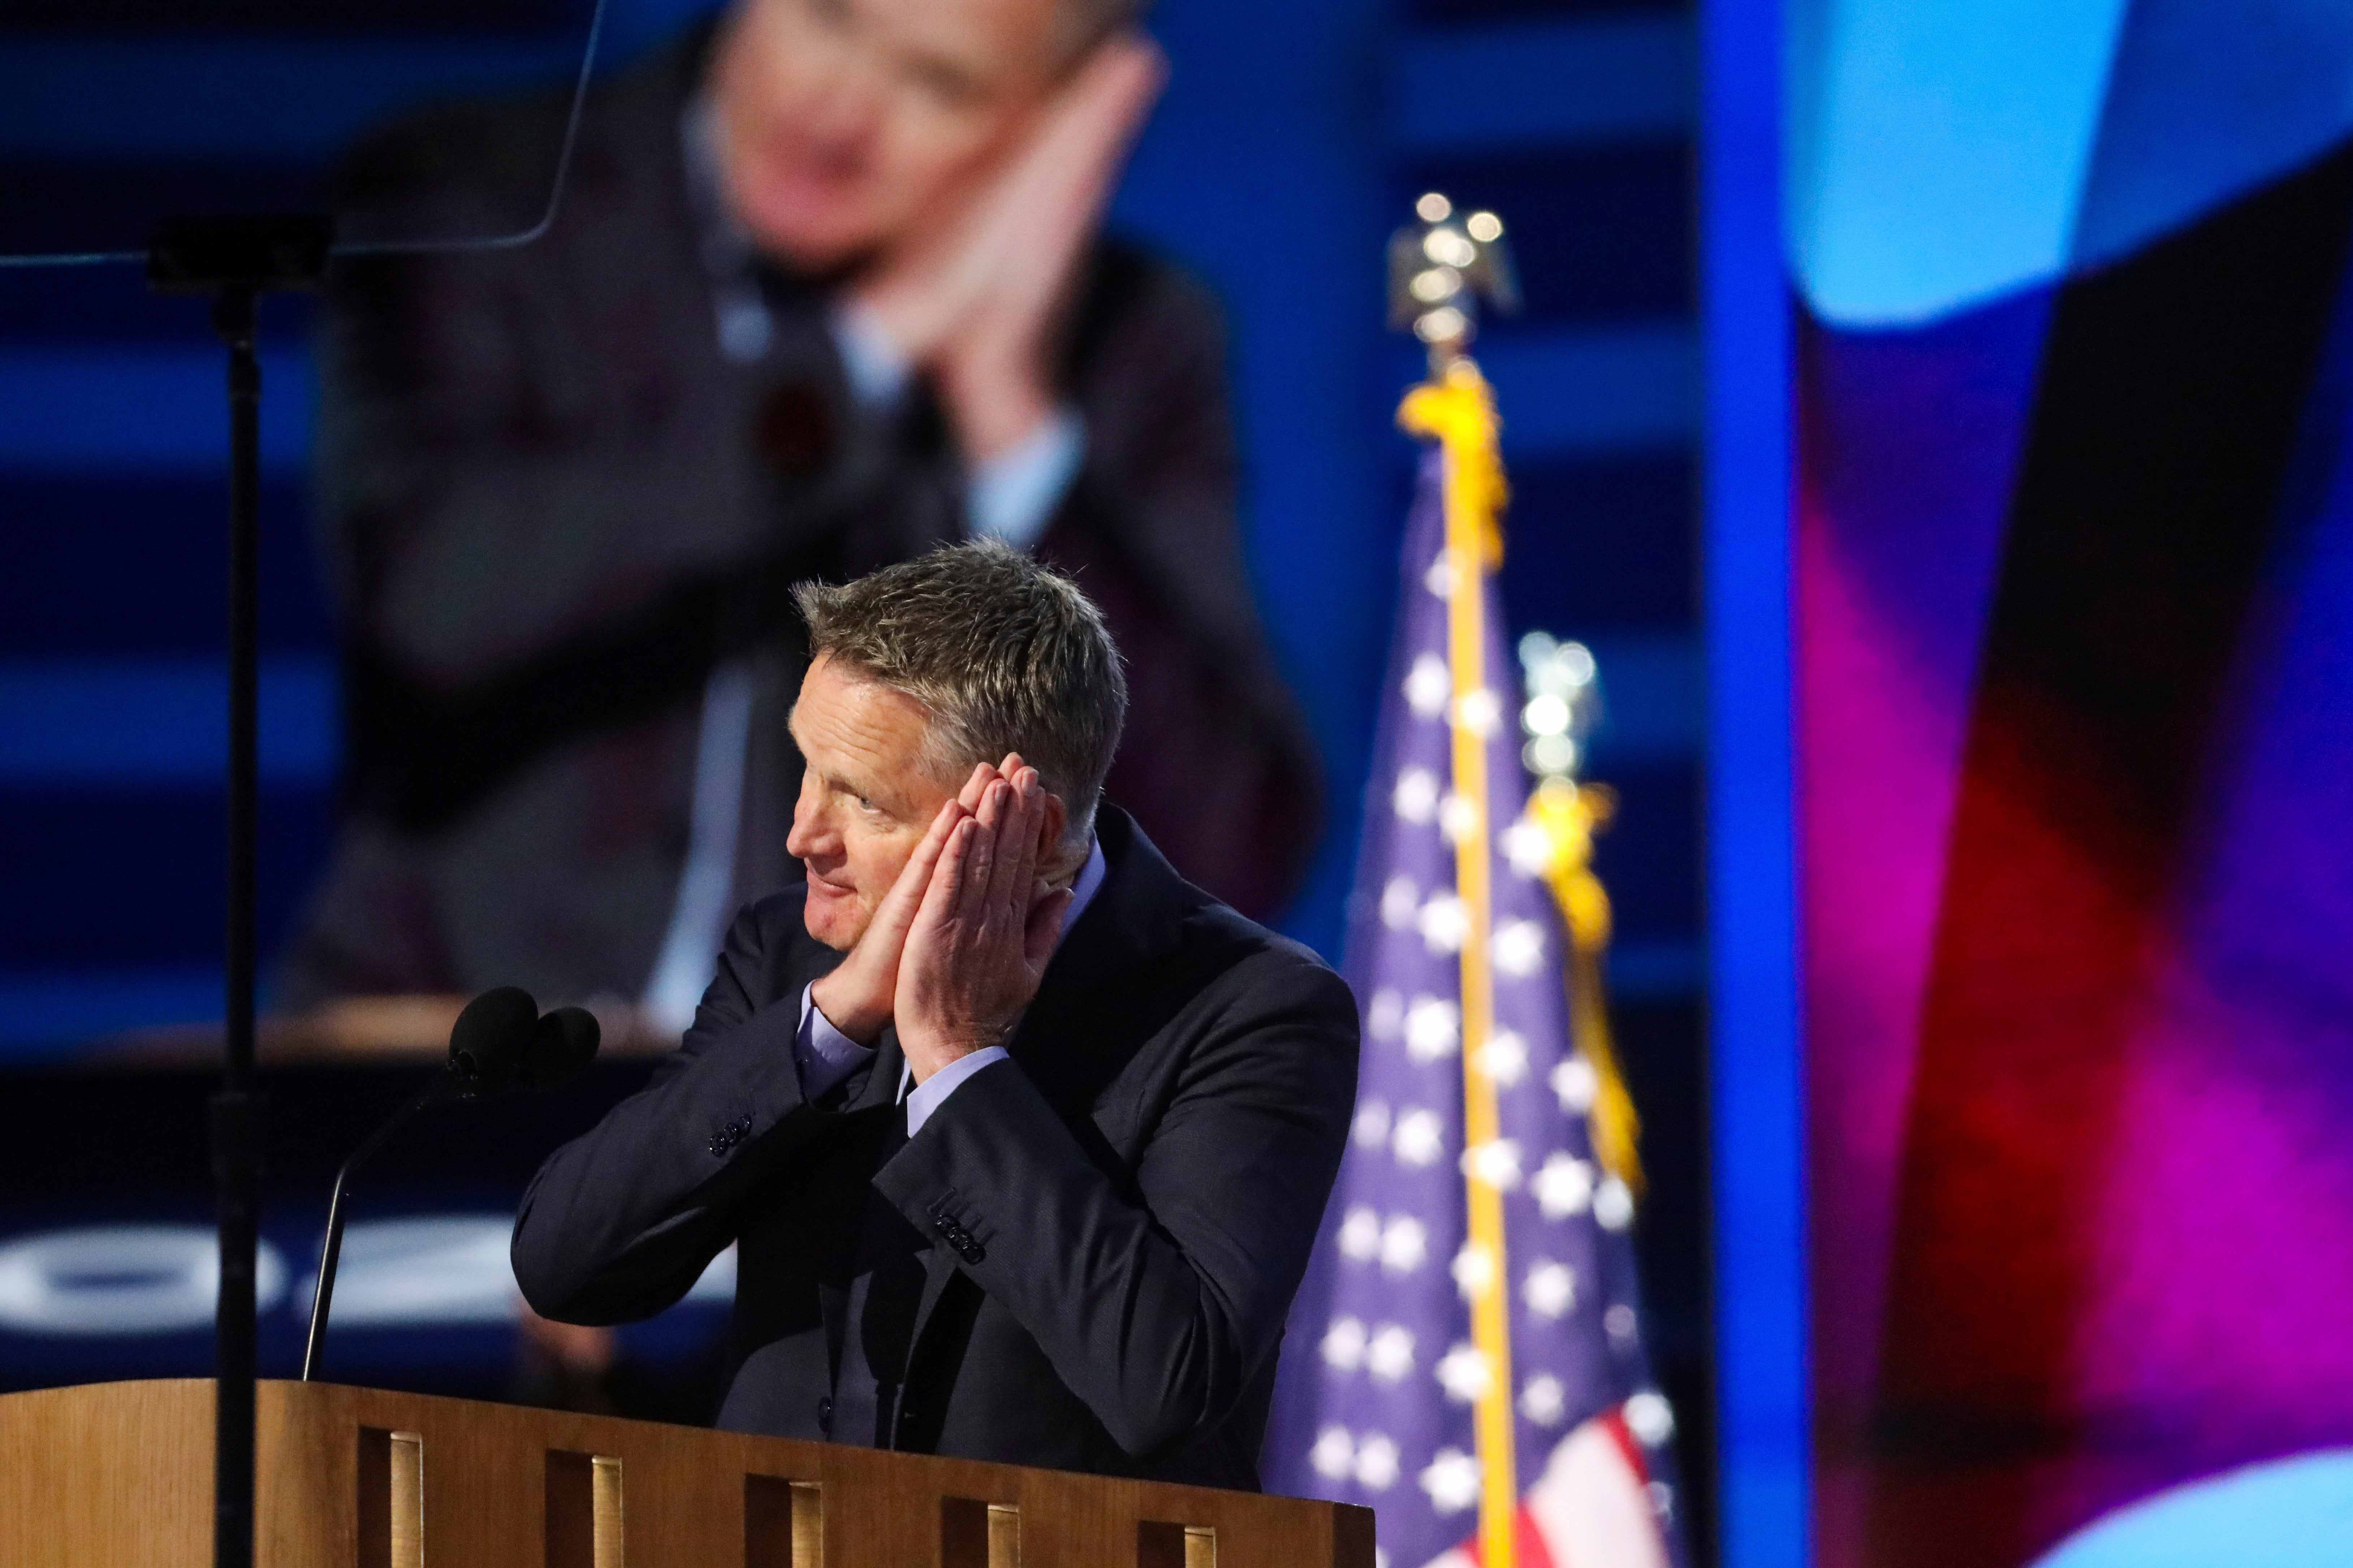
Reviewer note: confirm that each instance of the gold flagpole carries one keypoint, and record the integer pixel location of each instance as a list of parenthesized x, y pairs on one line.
[(1433, 271)]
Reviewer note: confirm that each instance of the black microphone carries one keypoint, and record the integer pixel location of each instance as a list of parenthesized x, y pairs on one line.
[(489, 1042), (500, 1042), (560, 1048)]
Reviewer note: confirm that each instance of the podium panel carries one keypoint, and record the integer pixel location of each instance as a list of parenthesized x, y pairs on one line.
[(120, 1476)]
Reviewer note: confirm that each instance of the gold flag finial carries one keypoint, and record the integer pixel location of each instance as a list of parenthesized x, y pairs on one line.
[(1440, 268)]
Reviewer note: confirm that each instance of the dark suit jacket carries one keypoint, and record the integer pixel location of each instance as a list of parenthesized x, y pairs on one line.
[(551, 506), (1084, 1258)]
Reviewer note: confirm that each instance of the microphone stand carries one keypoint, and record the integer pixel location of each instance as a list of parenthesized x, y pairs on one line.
[(442, 1087), (236, 260), (500, 1042)]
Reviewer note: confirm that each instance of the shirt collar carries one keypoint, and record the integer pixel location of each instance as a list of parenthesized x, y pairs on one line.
[(1088, 883)]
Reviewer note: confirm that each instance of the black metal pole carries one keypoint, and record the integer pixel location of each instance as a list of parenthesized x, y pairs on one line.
[(236, 1146), (235, 260)]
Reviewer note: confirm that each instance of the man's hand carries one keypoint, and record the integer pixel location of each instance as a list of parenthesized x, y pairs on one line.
[(975, 297), (980, 943), (856, 997)]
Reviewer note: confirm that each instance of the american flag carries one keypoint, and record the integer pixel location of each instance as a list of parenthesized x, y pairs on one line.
[(1384, 1372)]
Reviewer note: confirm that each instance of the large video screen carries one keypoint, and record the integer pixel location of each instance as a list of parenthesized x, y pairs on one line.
[(2074, 353)]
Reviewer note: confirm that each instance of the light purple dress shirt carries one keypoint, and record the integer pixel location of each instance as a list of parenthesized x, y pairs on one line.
[(823, 1056)]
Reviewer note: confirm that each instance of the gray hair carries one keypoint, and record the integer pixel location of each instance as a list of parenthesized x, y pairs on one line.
[(1004, 653)]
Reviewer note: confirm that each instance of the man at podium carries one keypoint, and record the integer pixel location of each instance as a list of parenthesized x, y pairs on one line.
[(1023, 1139)]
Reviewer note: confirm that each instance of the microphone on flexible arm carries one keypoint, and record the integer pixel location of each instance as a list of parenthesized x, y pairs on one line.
[(498, 1043)]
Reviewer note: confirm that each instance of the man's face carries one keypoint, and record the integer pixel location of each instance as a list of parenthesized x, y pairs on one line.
[(844, 121), (866, 801)]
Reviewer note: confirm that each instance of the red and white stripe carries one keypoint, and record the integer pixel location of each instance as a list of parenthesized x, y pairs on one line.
[(1590, 1509)]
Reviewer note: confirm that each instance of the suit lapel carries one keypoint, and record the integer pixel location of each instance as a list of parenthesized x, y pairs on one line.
[(1090, 1015)]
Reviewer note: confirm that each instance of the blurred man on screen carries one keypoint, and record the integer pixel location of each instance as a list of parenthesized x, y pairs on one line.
[(1022, 1140), (824, 292)]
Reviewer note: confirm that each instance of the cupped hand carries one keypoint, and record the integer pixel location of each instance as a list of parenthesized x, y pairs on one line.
[(975, 296), (978, 945), (856, 997)]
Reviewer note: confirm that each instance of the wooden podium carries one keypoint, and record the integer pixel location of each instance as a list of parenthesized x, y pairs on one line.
[(119, 1475)]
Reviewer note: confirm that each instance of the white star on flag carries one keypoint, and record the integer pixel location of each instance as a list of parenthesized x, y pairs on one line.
[(1519, 948), (1650, 1418), (1360, 1235), (1452, 1480), (1504, 1057), (1564, 1187), (1385, 1015), (1376, 1463), (1550, 1288), (1419, 1139), (1544, 1401), (1473, 1270), (1528, 847), (1428, 686), (1404, 1244), (1400, 901), (1416, 796), (1389, 1356), (1576, 1082), (1457, 818), (1335, 1454), (1344, 1345), (1464, 1373), (1613, 1204), (1440, 578), (1496, 1162), (1433, 1028), (1480, 711), (1370, 1128), (1443, 923)]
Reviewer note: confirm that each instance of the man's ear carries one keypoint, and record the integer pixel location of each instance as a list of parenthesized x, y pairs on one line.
[(1050, 831)]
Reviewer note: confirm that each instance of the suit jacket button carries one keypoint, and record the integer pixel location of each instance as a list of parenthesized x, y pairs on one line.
[(825, 1416), (971, 1252)]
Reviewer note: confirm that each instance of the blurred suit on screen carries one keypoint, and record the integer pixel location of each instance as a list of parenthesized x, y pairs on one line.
[(823, 292)]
